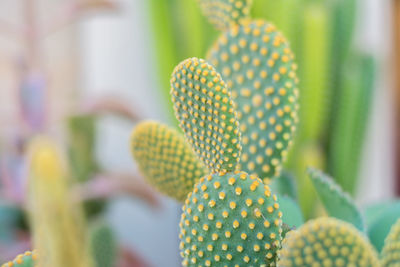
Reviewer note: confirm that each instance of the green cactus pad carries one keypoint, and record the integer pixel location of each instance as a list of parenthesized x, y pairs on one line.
[(327, 242), (23, 260), (257, 64), (337, 203), (165, 159), (205, 110), (225, 13), (292, 215), (103, 245), (230, 219), (391, 250)]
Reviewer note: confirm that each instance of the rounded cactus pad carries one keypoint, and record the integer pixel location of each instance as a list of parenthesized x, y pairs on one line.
[(258, 66), (225, 13), (230, 219), (26, 259), (391, 249), (166, 159), (327, 242), (206, 113)]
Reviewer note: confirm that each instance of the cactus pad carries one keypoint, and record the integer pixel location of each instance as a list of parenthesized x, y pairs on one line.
[(257, 64), (23, 260), (165, 158), (205, 110), (391, 250), (337, 203), (327, 242), (230, 219), (224, 13)]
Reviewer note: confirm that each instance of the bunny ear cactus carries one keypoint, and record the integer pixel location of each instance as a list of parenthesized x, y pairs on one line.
[(205, 110), (27, 259), (327, 242), (57, 223), (225, 13), (258, 66), (391, 251), (165, 159), (230, 218)]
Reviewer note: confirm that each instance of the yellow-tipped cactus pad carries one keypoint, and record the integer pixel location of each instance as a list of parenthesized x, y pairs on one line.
[(165, 159), (391, 249), (225, 13), (27, 259), (258, 66), (206, 113), (230, 219), (327, 242)]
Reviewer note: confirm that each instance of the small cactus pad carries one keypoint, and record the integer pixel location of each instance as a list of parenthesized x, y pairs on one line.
[(391, 250), (206, 113), (337, 203), (256, 62), (230, 219), (225, 13), (23, 260), (327, 242), (166, 159)]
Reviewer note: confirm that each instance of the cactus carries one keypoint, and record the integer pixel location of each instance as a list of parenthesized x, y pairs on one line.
[(337, 203), (165, 159), (204, 109), (391, 251), (257, 64), (26, 259), (327, 242), (225, 13), (57, 223), (230, 219), (103, 245)]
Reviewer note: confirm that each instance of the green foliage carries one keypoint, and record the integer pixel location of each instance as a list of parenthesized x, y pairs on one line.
[(292, 215), (337, 203), (27, 259), (165, 159), (257, 64), (230, 219), (348, 132), (380, 227), (205, 111), (103, 245), (391, 250), (285, 185), (225, 13), (327, 242)]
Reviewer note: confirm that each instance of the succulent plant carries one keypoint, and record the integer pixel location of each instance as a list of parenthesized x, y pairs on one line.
[(327, 242), (26, 259), (391, 250), (257, 65), (165, 159), (103, 244), (225, 13)]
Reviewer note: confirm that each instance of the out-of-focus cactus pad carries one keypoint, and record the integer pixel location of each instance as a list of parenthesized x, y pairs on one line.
[(225, 13), (391, 249), (258, 66), (165, 159), (23, 260), (230, 219), (327, 242), (205, 111)]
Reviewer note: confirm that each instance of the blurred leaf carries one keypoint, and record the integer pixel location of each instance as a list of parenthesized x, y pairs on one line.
[(285, 185), (292, 215), (103, 244), (337, 203)]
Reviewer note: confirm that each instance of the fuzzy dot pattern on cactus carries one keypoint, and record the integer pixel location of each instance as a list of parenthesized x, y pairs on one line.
[(26, 259), (225, 13), (255, 61), (165, 159), (391, 249), (205, 111), (230, 219), (327, 242)]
